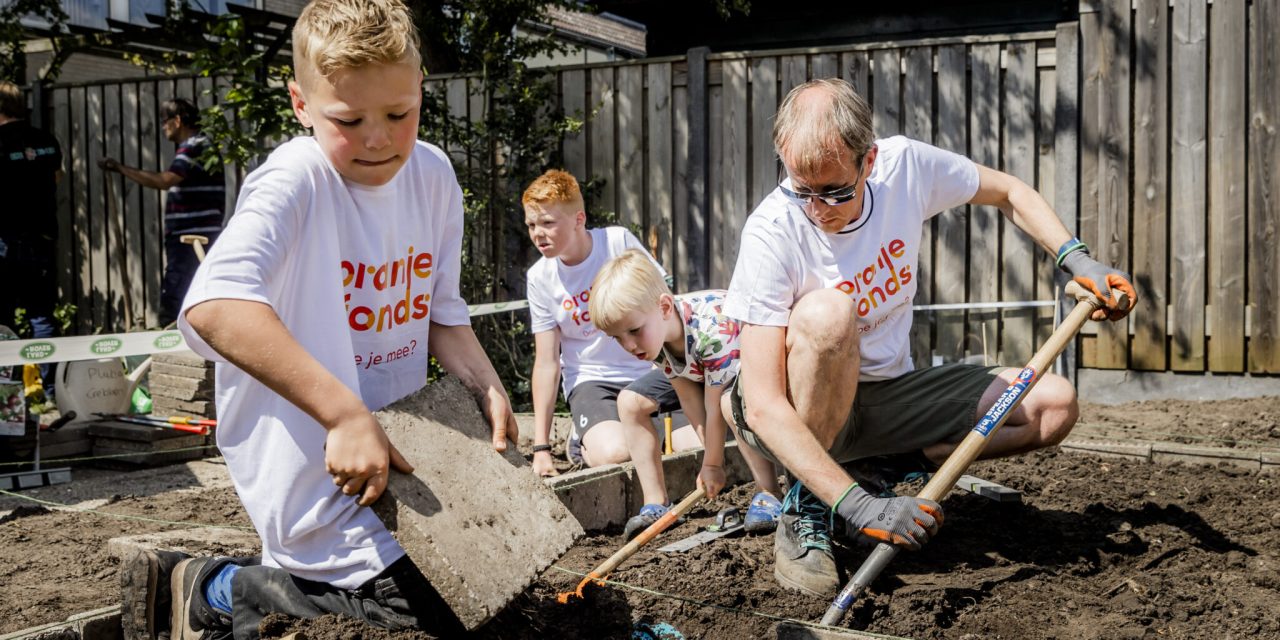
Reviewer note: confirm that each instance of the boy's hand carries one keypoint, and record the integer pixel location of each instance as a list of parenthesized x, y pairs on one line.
[(544, 464), (497, 409), (711, 477), (359, 457)]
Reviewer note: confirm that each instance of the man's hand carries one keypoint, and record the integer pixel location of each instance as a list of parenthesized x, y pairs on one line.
[(1101, 279), (108, 164), (497, 409), (359, 457), (904, 521), (711, 477), (544, 464)]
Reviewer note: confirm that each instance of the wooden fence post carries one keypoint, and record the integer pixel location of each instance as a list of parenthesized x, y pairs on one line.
[(696, 231)]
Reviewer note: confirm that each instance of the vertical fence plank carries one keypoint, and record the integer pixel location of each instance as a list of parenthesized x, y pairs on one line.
[(1090, 142), (131, 203), (80, 179), (735, 165), (1017, 266), (61, 126), (631, 161), (1226, 269), (681, 189), (854, 68), (886, 93), (764, 104), (917, 115), (984, 222), (113, 212), (658, 115), (824, 65), (573, 97), (1264, 188), (152, 229), (952, 227), (716, 178), (795, 72), (1189, 84), (602, 132), (698, 194), (1112, 245), (1150, 167), (1067, 152), (1045, 174), (98, 283)]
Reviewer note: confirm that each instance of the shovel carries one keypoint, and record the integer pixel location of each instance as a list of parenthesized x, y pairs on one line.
[(969, 449)]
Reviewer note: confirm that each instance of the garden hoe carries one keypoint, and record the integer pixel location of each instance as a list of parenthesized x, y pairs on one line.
[(598, 574), (964, 455)]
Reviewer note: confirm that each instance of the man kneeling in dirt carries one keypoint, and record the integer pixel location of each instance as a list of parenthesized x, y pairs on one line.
[(823, 286)]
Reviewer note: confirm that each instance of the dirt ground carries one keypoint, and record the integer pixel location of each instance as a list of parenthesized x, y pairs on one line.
[(1099, 548)]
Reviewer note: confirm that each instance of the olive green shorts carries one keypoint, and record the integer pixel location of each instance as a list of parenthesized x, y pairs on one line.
[(900, 415)]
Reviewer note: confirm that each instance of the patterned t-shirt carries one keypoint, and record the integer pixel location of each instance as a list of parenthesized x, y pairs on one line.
[(710, 341)]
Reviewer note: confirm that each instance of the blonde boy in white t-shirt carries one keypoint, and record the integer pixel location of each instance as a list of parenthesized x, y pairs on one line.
[(603, 384), (336, 277)]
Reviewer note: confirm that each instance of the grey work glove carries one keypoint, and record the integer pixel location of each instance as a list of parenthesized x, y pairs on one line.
[(1101, 279), (903, 521)]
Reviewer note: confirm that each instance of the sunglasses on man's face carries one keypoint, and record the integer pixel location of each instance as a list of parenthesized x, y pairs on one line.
[(831, 198)]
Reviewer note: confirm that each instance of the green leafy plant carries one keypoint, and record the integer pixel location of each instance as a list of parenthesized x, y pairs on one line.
[(14, 36)]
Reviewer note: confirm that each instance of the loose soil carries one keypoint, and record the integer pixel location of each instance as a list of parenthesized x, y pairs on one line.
[(1099, 548)]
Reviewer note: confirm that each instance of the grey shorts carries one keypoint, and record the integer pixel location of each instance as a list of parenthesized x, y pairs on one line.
[(900, 415), (591, 403)]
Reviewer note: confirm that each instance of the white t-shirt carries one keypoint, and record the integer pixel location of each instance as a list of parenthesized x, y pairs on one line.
[(558, 297), (784, 256), (357, 274)]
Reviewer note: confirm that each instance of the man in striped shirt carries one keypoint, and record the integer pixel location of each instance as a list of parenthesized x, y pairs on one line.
[(194, 200)]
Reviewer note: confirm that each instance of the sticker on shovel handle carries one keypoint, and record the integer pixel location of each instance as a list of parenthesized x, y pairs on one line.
[(1006, 401)]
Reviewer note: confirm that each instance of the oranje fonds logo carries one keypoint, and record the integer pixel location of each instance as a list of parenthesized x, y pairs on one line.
[(865, 286), (411, 270)]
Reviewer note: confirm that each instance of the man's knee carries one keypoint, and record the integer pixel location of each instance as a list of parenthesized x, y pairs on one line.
[(633, 407), (824, 317), (604, 444), (1057, 408)]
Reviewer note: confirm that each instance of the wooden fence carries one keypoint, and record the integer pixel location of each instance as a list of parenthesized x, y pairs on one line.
[(1113, 118)]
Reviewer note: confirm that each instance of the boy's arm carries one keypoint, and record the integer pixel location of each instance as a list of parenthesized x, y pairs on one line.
[(544, 382), (251, 336), (694, 399), (460, 353), (713, 441)]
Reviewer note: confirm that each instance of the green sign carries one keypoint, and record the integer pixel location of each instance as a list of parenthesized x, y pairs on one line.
[(106, 346), (37, 350), (168, 340)]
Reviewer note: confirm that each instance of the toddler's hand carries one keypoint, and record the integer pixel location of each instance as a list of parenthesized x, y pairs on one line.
[(711, 478)]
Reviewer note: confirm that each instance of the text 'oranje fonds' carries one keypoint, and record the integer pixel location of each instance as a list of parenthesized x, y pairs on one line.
[(409, 272), (869, 294)]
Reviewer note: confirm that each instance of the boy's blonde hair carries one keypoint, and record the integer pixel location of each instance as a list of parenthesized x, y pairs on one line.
[(345, 34), (553, 187), (816, 119), (625, 284)]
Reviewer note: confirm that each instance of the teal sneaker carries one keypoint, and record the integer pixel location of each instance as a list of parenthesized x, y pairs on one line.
[(648, 515), (802, 556), (762, 514)]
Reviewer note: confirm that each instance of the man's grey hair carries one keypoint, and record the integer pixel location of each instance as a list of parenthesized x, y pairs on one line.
[(816, 119)]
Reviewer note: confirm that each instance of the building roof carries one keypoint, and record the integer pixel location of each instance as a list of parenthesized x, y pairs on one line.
[(601, 30)]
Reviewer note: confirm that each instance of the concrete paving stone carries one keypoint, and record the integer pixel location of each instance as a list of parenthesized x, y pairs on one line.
[(796, 631), (1135, 450), (113, 430), (196, 541), (481, 525), (1167, 452), (560, 426), (165, 406), (202, 373), (187, 385), (179, 394), (99, 624), (597, 497), (181, 358)]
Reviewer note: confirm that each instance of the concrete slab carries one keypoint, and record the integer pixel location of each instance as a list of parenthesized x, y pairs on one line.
[(195, 541), (1133, 450), (1166, 452), (479, 524), (99, 624), (165, 406), (181, 358), (597, 497), (797, 631), (202, 373), (181, 388)]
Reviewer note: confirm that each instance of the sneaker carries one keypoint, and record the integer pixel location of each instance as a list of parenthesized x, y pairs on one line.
[(648, 515), (191, 616), (762, 514), (144, 592), (802, 555), (878, 475)]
